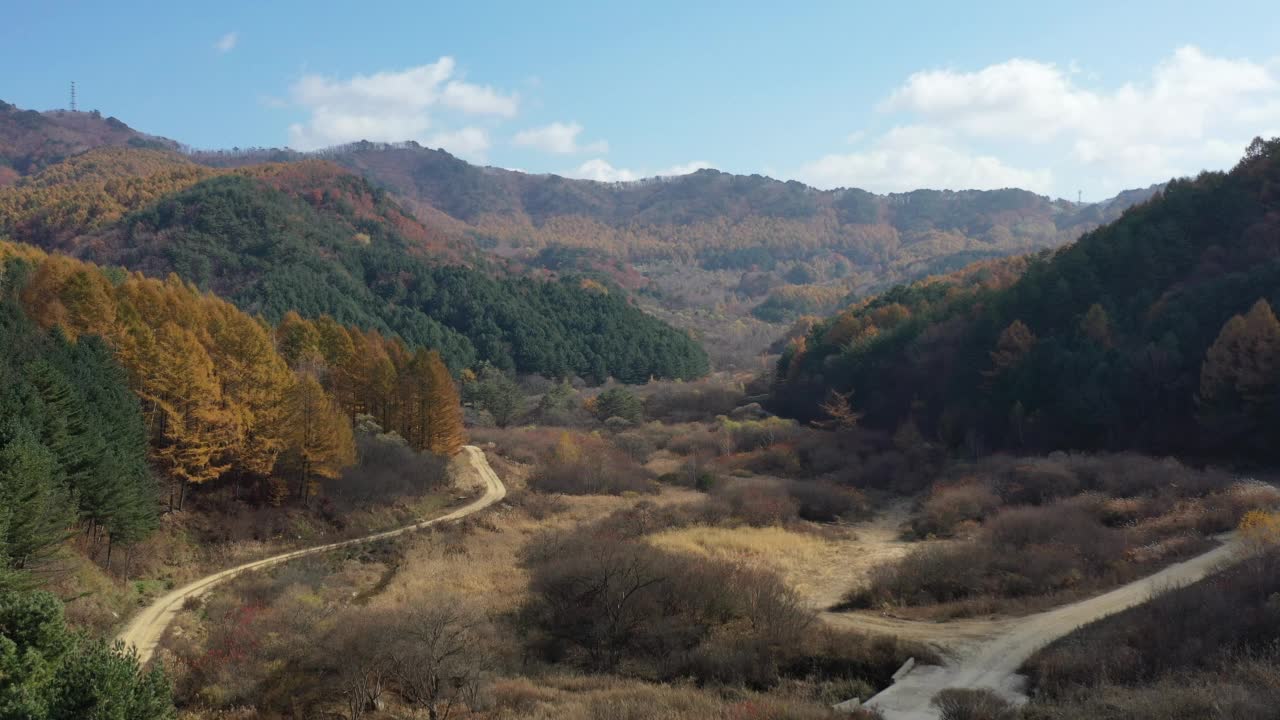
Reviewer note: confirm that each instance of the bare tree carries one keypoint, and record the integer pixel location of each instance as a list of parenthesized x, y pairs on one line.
[(441, 657), (365, 668)]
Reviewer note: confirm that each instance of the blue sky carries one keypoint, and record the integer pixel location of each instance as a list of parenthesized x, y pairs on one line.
[(1057, 98)]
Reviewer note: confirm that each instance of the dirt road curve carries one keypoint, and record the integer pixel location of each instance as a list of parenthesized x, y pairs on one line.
[(993, 663), (468, 469)]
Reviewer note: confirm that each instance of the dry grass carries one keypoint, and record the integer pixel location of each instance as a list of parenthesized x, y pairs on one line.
[(482, 562), (817, 562), (772, 543), (609, 698)]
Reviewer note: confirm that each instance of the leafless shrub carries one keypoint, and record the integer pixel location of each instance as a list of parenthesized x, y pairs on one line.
[(964, 704), (759, 502), (969, 501)]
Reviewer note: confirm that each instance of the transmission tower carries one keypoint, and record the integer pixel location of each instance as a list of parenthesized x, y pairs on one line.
[(73, 96)]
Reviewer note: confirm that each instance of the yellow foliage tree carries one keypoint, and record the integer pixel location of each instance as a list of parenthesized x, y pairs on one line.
[(1015, 342), (192, 429), (1241, 369), (1260, 530), (445, 432), (318, 434)]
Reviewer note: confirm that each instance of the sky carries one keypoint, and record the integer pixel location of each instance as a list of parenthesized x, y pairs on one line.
[(1058, 98)]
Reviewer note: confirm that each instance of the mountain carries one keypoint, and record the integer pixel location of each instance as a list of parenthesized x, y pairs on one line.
[(731, 258), (716, 219), (314, 238), (727, 256), (1153, 332), (31, 141)]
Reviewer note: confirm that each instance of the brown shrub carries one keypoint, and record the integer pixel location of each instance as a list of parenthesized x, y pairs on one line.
[(600, 599), (964, 704), (824, 501), (968, 501), (759, 502), (684, 402), (1039, 481), (1222, 619), (587, 465)]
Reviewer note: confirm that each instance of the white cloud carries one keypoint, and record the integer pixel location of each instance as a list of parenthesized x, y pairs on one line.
[(391, 106), (1024, 121), (684, 169), (478, 99), (469, 143), (600, 169), (560, 138), (227, 43), (913, 157)]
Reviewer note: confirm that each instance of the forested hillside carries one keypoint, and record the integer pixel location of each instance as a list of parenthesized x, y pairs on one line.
[(731, 257), (30, 140), (1154, 332), (716, 219), (225, 396), (119, 395), (313, 238)]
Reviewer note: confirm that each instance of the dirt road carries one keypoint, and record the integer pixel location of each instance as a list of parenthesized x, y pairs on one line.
[(993, 662), (469, 469)]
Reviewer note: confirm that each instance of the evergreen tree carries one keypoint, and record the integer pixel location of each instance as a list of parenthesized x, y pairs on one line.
[(49, 673), (496, 393), (619, 402), (37, 505)]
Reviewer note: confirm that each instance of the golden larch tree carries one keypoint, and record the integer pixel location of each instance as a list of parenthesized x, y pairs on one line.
[(192, 429), (1242, 367), (444, 432), (1015, 342), (319, 436)]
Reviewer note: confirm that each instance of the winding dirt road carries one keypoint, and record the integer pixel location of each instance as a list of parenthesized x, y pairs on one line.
[(987, 654), (468, 469)]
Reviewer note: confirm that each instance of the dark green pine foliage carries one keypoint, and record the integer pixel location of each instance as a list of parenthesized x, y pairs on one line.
[(271, 252), (38, 506), (72, 440), (49, 673), (1122, 320)]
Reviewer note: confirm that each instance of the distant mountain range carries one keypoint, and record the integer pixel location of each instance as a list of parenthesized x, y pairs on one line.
[(727, 256)]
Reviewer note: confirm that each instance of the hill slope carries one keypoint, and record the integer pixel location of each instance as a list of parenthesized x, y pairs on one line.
[(731, 257), (1105, 343), (312, 237), (31, 141)]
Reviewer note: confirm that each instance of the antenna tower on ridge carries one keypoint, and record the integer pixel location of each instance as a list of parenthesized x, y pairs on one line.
[(73, 96)]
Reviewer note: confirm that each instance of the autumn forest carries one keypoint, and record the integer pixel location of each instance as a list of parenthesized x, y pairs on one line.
[(371, 432)]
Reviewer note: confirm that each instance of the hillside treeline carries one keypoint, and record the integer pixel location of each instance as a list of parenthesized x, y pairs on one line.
[(1154, 332)]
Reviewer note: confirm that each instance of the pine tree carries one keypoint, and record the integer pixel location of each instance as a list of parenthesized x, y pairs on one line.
[(38, 507)]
